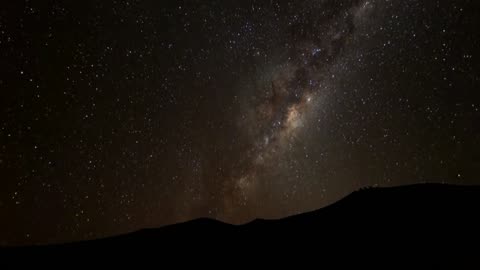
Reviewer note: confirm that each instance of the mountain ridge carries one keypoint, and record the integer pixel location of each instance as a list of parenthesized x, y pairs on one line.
[(438, 218)]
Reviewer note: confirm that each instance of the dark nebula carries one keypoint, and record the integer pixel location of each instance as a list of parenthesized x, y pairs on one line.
[(121, 115)]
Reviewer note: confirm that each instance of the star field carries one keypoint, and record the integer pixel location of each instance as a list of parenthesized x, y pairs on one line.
[(121, 115)]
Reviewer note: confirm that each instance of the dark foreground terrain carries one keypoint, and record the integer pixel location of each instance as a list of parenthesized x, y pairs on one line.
[(432, 223)]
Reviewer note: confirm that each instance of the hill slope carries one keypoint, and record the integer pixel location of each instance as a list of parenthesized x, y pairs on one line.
[(440, 220)]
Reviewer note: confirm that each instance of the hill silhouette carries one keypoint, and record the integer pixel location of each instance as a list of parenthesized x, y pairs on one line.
[(431, 222)]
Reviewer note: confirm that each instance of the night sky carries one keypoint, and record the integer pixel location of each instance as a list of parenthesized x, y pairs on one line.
[(121, 115)]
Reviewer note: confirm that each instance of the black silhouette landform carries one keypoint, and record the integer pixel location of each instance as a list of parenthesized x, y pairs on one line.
[(436, 219)]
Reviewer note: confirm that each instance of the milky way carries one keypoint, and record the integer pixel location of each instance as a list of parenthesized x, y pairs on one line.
[(290, 93)]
